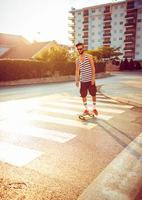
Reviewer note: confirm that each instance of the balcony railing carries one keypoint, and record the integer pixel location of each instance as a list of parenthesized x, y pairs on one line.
[(107, 19), (106, 42), (107, 34), (107, 11), (130, 24), (129, 40), (85, 29), (85, 36), (131, 48), (85, 22), (132, 33), (107, 26), (131, 15)]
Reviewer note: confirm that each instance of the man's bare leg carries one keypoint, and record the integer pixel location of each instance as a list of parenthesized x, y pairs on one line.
[(94, 105), (84, 99)]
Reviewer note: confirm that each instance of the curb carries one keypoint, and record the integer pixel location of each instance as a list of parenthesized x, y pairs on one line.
[(55, 79), (121, 179)]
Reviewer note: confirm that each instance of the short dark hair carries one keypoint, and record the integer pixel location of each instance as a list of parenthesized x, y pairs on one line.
[(79, 44)]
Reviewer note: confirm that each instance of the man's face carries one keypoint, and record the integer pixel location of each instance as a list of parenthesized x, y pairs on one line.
[(80, 49)]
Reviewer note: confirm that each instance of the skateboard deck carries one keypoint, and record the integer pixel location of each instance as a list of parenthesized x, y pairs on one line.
[(86, 117)]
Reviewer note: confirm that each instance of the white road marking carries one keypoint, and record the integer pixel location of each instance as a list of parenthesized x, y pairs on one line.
[(62, 121), (69, 112), (97, 103), (68, 105), (16, 155), (48, 134)]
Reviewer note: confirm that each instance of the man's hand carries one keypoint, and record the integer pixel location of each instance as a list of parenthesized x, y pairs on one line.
[(92, 82), (77, 83)]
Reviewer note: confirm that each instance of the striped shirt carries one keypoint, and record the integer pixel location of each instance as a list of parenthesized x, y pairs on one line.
[(85, 70)]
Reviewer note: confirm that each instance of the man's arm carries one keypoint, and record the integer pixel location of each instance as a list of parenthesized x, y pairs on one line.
[(93, 68), (77, 77)]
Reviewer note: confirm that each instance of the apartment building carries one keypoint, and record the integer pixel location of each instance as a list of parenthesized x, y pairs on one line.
[(114, 24)]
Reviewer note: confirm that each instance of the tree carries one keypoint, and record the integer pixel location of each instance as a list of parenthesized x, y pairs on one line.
[(56, 56), (105, 53)]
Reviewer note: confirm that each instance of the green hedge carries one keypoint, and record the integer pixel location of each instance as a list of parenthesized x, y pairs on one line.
[(100, 67), (27, 69)]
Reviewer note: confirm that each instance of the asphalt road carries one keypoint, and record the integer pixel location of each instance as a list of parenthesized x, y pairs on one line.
[(46, 152)]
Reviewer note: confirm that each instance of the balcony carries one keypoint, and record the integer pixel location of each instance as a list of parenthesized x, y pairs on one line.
[(72, 25), (107, 26), (107, 19), (85, 29), (107, 10), (86, 47), (85, 22), (85, 13), (129, 48), (72, 39), (129, 40), (71, 18), (132, 33), (86, 42), (107, 34), (85, 36), (106, 42), (130, 24), (130, 16)]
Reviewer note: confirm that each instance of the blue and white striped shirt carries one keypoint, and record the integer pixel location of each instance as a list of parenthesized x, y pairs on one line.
[(85, 70)]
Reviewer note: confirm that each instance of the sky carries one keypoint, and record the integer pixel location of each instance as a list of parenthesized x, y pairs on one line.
[(40, 20)]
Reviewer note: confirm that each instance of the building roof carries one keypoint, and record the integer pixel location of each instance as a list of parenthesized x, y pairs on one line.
[(10, 40), (98, 5), (24, 51)]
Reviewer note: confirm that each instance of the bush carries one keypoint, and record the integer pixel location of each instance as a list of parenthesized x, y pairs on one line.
[(100, 67), (27, 69)]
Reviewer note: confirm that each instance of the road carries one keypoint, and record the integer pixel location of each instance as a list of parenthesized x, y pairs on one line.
[(46, 152)]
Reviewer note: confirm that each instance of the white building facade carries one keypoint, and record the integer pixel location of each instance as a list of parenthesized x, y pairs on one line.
[(114, 24)]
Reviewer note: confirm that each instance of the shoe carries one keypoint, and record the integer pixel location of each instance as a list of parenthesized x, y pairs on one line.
[(86, 112), (95, 112)]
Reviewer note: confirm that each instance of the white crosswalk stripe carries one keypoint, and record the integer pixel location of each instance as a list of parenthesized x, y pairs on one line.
[(63, 113)]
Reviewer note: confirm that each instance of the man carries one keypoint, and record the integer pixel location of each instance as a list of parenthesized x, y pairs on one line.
[(85, 75)]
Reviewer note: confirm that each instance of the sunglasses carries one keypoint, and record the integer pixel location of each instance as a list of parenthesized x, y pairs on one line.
[(79, 49)]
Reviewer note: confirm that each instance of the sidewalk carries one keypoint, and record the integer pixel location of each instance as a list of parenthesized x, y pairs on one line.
[(127, 91)]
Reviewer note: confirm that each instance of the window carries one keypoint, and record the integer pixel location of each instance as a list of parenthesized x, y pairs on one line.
[(121, 22), (138, 37), (121, 14), (93, 11), (115, 15), (120, 31), (137, 53), (120, 38)]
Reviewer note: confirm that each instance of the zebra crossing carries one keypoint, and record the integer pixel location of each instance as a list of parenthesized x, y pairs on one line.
[(28, 113)]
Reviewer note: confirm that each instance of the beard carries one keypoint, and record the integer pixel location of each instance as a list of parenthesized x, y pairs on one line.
[(81, 52)]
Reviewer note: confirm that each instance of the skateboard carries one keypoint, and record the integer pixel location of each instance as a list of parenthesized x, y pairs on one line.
[(86, 116)]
